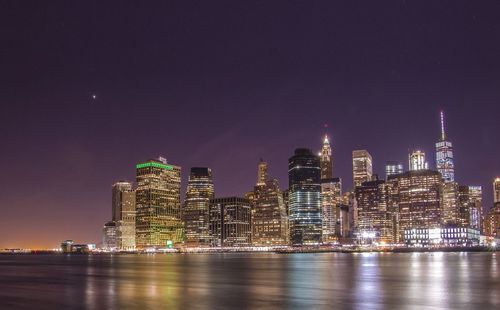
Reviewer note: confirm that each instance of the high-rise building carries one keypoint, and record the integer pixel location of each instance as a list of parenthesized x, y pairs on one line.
[(374, 218), (417, 161), (331, 199), (392, 168), (262, 175), (304, 177), (362, 168), (477, 213), (451, 210), (326, 160), (123, 200), (444, 155), (110, 240), (158, 218), (200, 190), (418, 198), (496, 190), (230, 222)]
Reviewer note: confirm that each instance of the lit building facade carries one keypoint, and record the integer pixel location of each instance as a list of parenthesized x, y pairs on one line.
[(454, 236), (417, 161), (110, 240), (444, 156), (200, 190), (326, 160), (451, 203), (158, 218), (393, 168), (477, 213), (331, 199), (123, 214), (230, 222), (496, 190), (374, 218), (417, 199), (362, 167), (269, 219), (304, 176), (470, 207)]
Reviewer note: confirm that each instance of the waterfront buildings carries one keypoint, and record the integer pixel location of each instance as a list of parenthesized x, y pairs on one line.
[(230, 222), (417, 196), (450, 203), (392, 168), (200, 190), (374, 219), (304, 176), (455, 236), (362, 168), (158, 219), (444, 156), (492, 220), (269, 218), (110, 235), (123, 214), (331, 200)]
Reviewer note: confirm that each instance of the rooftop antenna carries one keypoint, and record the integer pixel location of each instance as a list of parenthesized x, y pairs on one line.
[(443, 136)]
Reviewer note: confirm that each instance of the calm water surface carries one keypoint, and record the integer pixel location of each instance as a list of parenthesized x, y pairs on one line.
[(251, 281)]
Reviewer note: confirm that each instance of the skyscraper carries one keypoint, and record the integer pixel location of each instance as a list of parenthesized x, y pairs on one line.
[(123, 200), (269, 218), (392, 168), (230, 222), (374, 218), (331, 200), (361, 167), (477, 213), (451, 205), (200, 190), (158, 219), (262, 175), (110, 233), (304, 177), (444, 155), (418, 197), (326, 160), (417, 161), (496, 190)]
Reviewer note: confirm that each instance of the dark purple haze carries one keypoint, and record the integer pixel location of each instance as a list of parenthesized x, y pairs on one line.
[(221, 84)]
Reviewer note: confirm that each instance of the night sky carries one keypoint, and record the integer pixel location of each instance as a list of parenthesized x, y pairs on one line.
[(222, 84)]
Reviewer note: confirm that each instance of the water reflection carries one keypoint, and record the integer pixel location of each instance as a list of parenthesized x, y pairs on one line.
[(252, 281)]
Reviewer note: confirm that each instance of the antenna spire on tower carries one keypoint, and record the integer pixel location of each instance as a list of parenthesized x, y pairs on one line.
[(443, 136)]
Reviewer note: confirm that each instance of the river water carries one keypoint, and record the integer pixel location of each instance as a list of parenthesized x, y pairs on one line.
[(251, 281)]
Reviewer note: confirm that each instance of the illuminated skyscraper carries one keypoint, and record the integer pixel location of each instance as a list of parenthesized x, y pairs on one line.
[(374, 218), (110, 240), (417, 161), (262, 175), (444, 155), (269, 219), (123, 200), (470, 207), (361, 167), (304, 176), (326, 160), (418, 198), (496, 190), (230, 222), (158, 219), (331, 199), (451, 205), (200, 190), (392, 168)]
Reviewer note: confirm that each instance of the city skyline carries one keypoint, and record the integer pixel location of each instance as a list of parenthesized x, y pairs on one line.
[(89, 93)]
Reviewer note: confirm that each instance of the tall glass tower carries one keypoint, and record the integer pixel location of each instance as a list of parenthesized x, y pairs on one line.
[(444, 156), (326, 160), (304, 177), (200, 190)]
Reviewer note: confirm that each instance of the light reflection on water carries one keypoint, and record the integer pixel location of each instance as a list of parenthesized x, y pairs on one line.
[(252, 281)]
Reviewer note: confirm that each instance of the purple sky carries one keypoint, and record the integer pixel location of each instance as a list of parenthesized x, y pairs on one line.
[(222, 84)]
